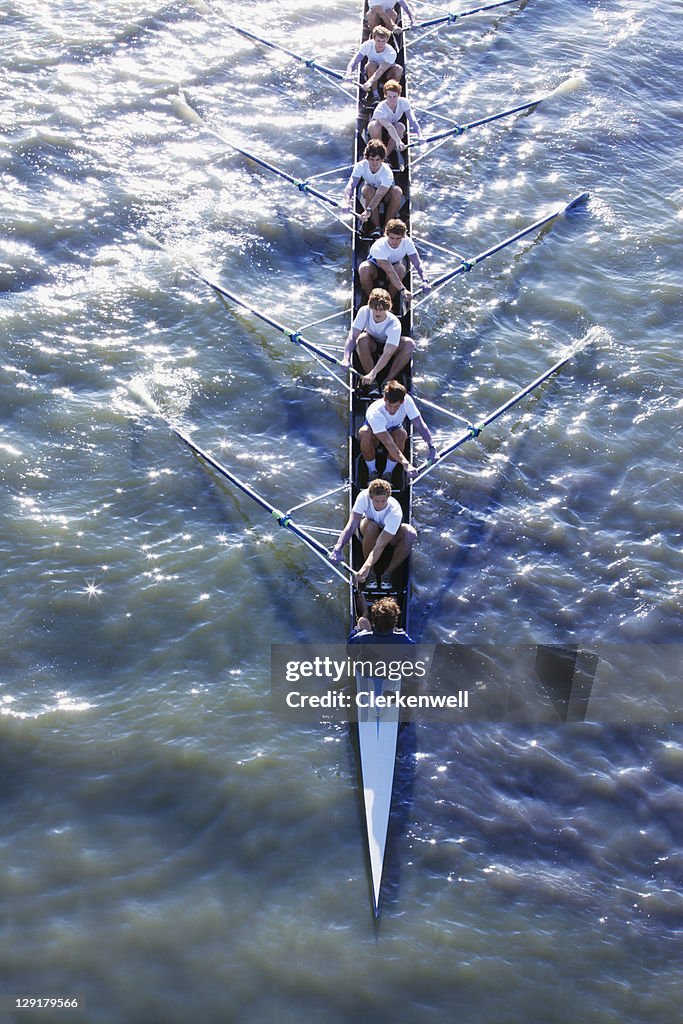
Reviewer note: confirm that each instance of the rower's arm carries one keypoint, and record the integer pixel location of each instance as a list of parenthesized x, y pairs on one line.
[(379, 195), (417, 263), (387, 355), (375, 77), (345, 536), (375, 554), (390, 273), (404, 4), (414, 123), (423, 430), (350, 345), (350, 190), (392, 449), (353, 64), (390, 130)]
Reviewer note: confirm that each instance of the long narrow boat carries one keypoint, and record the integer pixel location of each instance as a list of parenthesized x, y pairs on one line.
[(377, 730)]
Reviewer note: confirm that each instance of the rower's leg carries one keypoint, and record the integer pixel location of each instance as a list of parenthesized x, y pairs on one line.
[(370, 531), (399, 437), (370, 69), (403, 355), (393, 201), (394, 74), (367, 193), (366, 349), (366, 439), (375, 131), (367, 275), (405, 539)]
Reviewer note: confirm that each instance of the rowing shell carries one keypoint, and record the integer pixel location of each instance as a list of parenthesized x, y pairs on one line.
[(377, 738), (377, 731)]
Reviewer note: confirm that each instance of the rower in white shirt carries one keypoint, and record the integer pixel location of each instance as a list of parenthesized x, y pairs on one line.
[(378, 187), (375, 330), (379, 519), (388, 118), (383, 12), (380, 60), (384, 426), (390, 254)]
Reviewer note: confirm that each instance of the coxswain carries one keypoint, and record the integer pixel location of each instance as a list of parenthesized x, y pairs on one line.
[(379, 625)]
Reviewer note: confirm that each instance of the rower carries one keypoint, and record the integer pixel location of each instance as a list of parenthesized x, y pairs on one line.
[(378, 187), (388, 254), (388, 118), (379, 518), (380, 624), (383, 12), (380, 60), (384, 426), (375, 327)]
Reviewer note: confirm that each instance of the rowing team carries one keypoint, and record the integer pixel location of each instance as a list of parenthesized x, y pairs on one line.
[(376, 514), (376, 333)]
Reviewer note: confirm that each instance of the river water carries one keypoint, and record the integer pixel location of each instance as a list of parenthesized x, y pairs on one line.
[(171, 850)]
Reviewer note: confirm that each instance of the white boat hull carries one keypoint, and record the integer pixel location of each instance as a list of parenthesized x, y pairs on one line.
[(377, 739)]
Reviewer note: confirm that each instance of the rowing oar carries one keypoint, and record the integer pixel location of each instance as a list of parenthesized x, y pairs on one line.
[(188, 113), (460, 129), (295, 337), (468, 265), (283, 49), (449, 19), (475, 431), (281, 518)]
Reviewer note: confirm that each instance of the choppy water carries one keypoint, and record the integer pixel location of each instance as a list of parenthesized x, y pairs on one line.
[(170, 851)]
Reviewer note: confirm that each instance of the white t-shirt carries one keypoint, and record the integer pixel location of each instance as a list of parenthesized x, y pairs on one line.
[(381, 250), (383, 111), (390, 518), (380, 419), (386, 5), (387, 56), (387, 330), (384, 178)]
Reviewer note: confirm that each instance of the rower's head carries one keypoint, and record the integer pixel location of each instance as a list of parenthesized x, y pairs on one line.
[(385, 615), (393, 394), (392, 88), (375, 153), (380, 37), (379, 298), (380, 492), (396, 231)]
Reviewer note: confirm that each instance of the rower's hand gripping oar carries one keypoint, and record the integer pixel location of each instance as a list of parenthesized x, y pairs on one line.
[(469, 264), (281, 518), (475, 431)]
